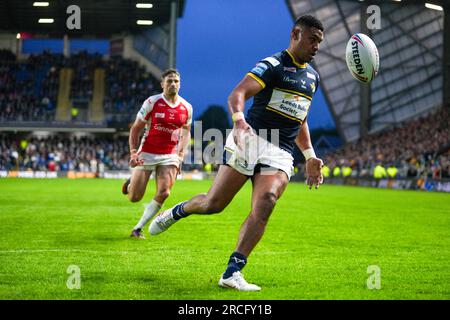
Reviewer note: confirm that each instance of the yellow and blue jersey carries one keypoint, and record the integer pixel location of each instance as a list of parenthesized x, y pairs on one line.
[(284, 102)]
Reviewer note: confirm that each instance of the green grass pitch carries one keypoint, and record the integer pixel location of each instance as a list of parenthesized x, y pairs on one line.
[(318, 244)]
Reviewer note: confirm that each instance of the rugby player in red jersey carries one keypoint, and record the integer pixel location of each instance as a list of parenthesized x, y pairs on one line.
[(166, 120)]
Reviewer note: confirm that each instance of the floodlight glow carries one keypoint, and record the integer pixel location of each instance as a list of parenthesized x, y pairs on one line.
[(18, 36), (41, 4), (433, 6), (145, 22), (46, 20), (144, 5)]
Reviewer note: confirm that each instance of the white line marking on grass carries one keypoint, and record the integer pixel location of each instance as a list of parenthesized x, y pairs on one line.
[(67, 250)]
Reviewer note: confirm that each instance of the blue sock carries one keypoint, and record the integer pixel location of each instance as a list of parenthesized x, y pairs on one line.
[(178, 211), (236, 263)]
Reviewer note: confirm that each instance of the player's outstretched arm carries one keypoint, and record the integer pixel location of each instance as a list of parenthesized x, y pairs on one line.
[(313, 165), (247, 88)]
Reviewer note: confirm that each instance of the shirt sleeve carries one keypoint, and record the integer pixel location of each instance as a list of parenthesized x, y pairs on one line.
[(145, 111), (264, 71), (189, 118)]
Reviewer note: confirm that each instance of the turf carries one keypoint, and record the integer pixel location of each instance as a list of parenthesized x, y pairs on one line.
[(318, 244)]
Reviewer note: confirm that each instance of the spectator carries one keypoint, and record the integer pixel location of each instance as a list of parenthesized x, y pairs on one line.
[(29, 89), (414, 147), (64, 153)]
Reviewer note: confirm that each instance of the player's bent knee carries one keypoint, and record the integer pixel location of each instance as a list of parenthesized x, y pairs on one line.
[(269, 199)]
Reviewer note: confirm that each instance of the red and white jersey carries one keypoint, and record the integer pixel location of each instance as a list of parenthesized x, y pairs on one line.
[(164, 122)]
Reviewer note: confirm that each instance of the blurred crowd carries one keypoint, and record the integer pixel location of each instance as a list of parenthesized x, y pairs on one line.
[(127, 86), (418, 148), (29, 88), (83, 66), (58, 153)]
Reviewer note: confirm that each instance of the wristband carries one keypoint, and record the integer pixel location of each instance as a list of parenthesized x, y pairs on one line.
[(309, 153), (237, 116)]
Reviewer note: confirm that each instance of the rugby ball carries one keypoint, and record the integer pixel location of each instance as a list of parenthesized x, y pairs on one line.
[(362, 58)]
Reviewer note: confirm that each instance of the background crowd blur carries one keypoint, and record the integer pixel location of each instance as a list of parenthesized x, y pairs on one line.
[(29, 88), (28, 92), (418, 148)]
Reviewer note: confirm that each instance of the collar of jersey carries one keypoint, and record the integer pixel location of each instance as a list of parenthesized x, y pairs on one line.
[(300, 65), (170, 104)]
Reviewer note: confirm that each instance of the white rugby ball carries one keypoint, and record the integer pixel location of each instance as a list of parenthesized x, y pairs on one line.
[(362, 58)]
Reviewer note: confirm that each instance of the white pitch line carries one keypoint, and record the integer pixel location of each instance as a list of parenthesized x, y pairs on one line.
[(65, 250)]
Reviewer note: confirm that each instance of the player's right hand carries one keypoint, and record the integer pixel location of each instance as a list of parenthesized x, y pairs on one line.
[(241, 130), (135, 161)]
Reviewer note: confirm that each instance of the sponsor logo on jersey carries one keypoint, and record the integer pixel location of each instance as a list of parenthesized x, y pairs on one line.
[(290, 69), (313, 86), (274, 62), (259, 69), (160, 104), (171, 113), (303, 84), (289, 80), (160, 115), (161, 128), (293, 106), (310, 75)]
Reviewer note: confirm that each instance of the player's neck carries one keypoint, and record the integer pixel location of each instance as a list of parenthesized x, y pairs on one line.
[(296, 58), (172, 98)]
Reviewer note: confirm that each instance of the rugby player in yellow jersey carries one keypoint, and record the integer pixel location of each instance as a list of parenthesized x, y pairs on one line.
[(261, 144)]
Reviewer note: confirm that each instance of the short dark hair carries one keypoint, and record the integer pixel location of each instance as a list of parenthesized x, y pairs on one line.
[(308, 21), (169, 71)]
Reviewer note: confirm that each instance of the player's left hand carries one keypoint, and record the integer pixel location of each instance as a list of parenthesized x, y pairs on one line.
[(181, 157), (314, 175), (135, 160)]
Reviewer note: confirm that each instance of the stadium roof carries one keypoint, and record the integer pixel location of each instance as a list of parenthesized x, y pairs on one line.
[(99, 18), (410, 44)]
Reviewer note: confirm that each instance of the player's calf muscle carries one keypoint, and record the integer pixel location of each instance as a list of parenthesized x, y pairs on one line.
[(204, 204), (135, 193), (134, 197), (163, 194)]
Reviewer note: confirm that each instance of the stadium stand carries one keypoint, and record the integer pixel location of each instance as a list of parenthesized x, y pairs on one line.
[(63, 153), (28, 89), (33, 89), (67, 152), (417, 148), (127, 86)]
